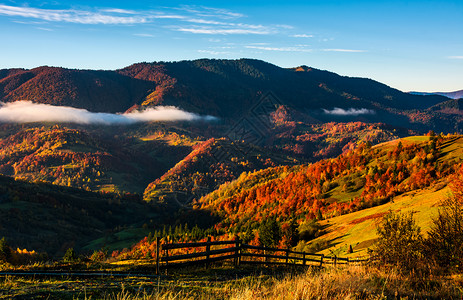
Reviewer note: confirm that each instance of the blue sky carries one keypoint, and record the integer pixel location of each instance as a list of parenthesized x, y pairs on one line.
[(409, 45)]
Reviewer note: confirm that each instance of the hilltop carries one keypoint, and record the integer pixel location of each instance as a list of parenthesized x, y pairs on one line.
[(225, 89)]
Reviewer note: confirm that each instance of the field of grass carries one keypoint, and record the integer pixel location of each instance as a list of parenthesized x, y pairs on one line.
[(358, 229), (352, 282)]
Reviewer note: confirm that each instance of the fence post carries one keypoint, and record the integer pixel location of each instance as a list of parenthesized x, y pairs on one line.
[(335, 260), (303, 258), (237, 251), (347, 261), (208, 249), (167, 258), (287, 256), (157, 254), (321, 260)]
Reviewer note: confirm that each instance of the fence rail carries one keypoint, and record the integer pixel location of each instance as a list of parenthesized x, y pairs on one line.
[(240, 254)]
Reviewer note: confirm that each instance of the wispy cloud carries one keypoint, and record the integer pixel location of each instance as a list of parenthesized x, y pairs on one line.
[(26, 112), (455, 57), (344, 50), (143, 35), (281, 49), (211, 12), (44, 28), (222, 31), (212, 52), (70, 15), (302, 35), (349, 112), (203, 20), (120, 11)]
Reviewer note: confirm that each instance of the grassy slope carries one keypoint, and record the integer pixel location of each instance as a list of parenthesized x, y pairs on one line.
[(358, 229)]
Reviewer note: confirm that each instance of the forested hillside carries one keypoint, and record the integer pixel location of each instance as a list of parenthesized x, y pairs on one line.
[(361, 178), (225, 89)]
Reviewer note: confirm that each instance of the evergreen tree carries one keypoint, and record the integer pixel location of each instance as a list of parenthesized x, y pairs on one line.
[(269, 233), (70, 255), (5, 251)]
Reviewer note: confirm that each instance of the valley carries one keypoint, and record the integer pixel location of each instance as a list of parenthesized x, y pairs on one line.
[(294, 158)]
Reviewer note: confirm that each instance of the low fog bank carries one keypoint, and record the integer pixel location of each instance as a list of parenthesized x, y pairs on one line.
[(26, 112), (349, 112)]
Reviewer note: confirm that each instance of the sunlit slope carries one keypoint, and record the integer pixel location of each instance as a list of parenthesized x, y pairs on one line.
[(358, 229), (365, 178), (209, 165)]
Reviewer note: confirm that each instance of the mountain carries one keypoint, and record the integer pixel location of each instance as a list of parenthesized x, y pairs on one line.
[(452, 95), (223, 88), (105, 91), (50, 218)]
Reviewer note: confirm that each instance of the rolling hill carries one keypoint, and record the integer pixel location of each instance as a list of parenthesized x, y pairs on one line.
[(92, 159), (452, 95), (223, 88), (356, 180)]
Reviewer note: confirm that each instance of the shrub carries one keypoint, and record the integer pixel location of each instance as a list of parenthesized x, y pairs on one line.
[(400, 242), (445, 237), (310, 230), (70, 256)]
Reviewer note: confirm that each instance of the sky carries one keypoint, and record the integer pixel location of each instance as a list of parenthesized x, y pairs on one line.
[(409, 45)]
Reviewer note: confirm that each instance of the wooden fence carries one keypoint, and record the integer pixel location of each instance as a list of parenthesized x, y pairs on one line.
[(238, 253)]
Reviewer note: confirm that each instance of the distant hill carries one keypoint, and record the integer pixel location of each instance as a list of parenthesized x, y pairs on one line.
[(452, 95), (50, 218), (223, 88), (86, 159), (105, 91)]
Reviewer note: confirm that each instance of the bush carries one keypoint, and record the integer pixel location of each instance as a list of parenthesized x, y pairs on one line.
[(400, 242), (70, 256), (445, 238), (310, 230)]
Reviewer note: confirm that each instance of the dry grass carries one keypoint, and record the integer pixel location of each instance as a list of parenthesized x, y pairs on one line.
[(354, 282)]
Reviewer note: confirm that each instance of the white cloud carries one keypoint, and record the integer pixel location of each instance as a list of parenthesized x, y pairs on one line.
[(302, 36), (143, 35), (70, 15), (344, 50), (282, 49), (44, 28), (26, 111), (455, 57), (211, 12), (223, 31), (120, 11), (349, 112), (202, 21), (214, 52), (209, 20)]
